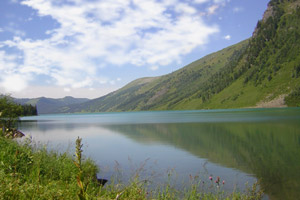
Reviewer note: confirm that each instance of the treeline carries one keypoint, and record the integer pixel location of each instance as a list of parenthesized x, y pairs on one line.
[(29, 110), (7, 104), (293, 99), (10, 112)]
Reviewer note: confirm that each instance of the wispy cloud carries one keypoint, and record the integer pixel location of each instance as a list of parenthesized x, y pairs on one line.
[(212, 9), (13, 1), (103, 33), (13, 28), (154, 68), (67, 89), (201, 1), (217, 4), (221, 1), (227, 37), (238, 9)]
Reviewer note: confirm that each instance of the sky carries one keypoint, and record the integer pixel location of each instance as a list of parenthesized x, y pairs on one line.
[(88, 48)]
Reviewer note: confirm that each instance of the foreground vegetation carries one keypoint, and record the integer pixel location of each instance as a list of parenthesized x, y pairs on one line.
[(10, 109), (28, 171), (10, 113)]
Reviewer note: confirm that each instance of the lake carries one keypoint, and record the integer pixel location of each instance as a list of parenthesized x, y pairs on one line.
[(238, 145)]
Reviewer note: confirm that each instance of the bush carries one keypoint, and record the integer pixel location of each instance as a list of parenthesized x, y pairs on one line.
[(293, 99)]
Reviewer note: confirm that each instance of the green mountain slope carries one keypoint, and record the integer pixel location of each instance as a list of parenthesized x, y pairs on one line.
[(272, 62), (261, 71), (165, 92), (48, 105)]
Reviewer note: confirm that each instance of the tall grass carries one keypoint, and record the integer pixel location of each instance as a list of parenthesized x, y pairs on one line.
[(28, 172)]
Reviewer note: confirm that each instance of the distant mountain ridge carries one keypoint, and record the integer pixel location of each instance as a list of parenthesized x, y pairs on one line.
[(50, 105), (262, 71)]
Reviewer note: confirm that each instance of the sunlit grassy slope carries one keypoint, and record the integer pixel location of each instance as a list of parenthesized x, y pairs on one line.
[(263, 68)]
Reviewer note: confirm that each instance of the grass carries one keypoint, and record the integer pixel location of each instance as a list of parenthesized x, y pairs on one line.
[(28, 171), (239, 95)]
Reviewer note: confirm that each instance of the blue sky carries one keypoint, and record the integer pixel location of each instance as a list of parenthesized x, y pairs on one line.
[(88, 48)]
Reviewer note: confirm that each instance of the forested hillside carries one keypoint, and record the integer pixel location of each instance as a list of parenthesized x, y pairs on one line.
[(262, 71)]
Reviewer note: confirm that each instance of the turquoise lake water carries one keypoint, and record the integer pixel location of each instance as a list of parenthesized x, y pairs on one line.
[(239, 146)]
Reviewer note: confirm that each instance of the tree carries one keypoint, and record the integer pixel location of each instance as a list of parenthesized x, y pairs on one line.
[(9, 113)]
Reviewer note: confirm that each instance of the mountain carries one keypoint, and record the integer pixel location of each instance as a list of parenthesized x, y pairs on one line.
[(48, 105), (159, 93), (262, 71)]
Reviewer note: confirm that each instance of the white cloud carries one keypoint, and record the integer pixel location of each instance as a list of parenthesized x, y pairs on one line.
[(212, 9), (104, 33), (15, 31), (221, 1), (200, 1), (185, 8), (10, 78), (14, 83), (67, 89), (112, 82), (227, 37), (217, 4), (154, 68), (238, 9)]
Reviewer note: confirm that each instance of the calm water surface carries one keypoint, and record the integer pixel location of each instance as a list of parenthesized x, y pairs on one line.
[(241, 145)]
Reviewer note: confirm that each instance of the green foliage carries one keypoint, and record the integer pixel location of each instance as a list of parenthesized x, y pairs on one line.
[(196, 189), (293, 99), (83, 177), (296, 72), (35, 173), (223, 78), (9, 115), (9, 112), (29, 110)]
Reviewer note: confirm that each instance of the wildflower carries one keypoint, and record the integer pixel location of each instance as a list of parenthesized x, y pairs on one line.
[(210, 178), (223, 182)]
